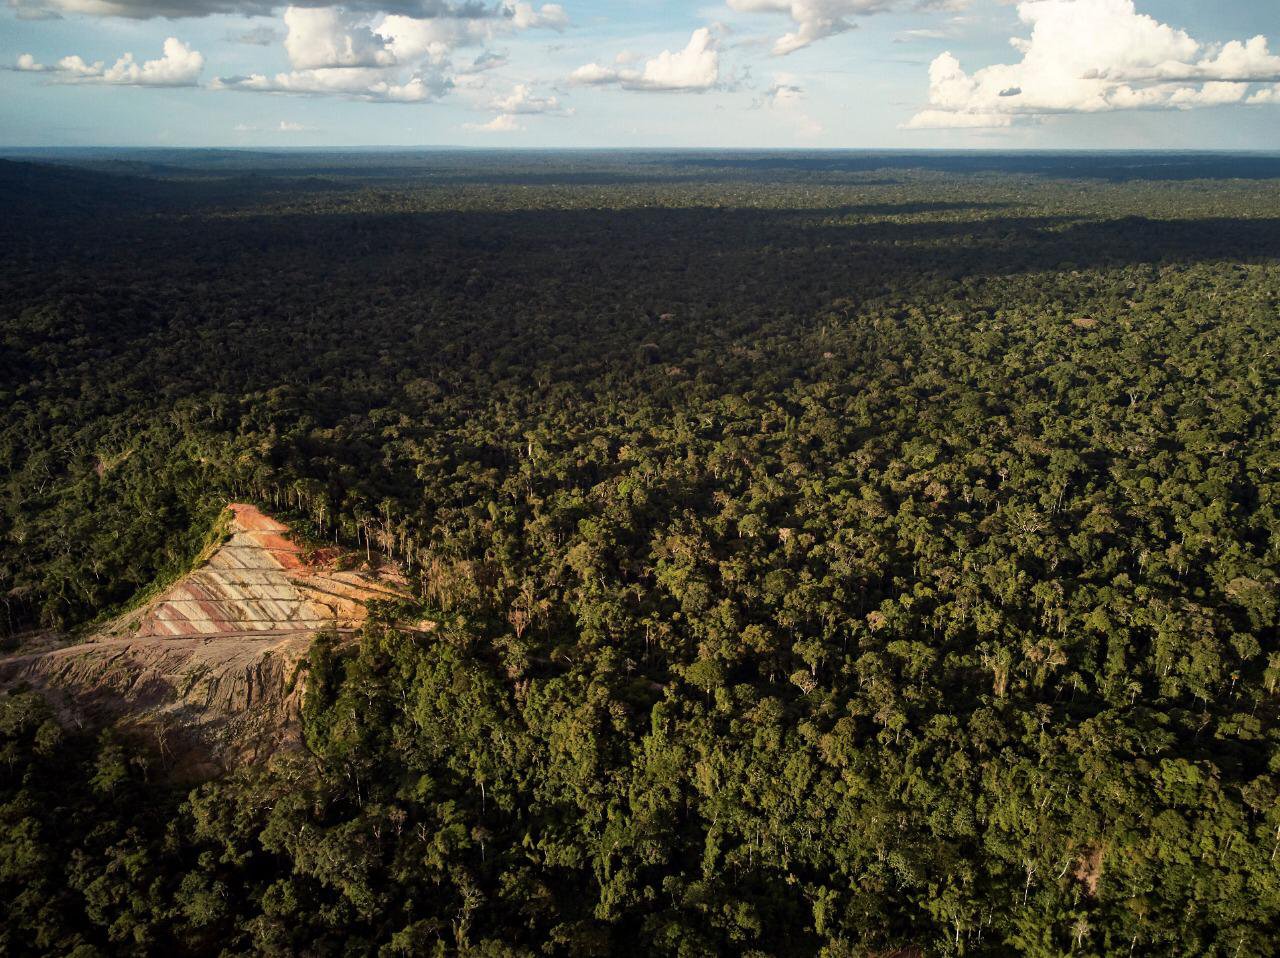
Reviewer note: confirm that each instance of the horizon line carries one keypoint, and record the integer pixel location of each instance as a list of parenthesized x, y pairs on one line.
[(463, 148)]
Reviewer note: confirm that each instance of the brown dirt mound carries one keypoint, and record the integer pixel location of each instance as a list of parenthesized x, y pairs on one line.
[(211, 666)]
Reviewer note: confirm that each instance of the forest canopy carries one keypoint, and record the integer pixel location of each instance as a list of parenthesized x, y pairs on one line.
[(838, 555)]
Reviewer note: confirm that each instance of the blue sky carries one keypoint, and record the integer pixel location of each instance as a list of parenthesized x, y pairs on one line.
[(603, 73)]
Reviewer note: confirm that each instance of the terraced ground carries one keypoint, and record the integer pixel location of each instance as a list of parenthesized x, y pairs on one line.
[(260, 581), (211, 664)]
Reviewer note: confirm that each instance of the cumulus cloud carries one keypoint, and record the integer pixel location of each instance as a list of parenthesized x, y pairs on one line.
[(595, 74), (1248, 61), (75, 67), (941, 120), (435, 38), (813, 19), (1093, 56), (913, 36), (499, 124), (694, 69), (410, 38), (320, 37), (1268, 95), (392, 58), (178, 66), (524, 16), (523, 101), (355, 83)]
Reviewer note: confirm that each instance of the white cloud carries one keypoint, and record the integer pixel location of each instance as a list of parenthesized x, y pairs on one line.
[(393, 57), (74, 66), (417, 89), (410, 39), (942, 120), (320, 37), (499, 124), (813, 19), (1218, 93), (178, 66), (595, 74), (523, 101), (785, 97), (694, 69), (911, 36), (550, 16), (784, 92), (1093, 56), (1268, 95), (1246, 61), (356, 83)]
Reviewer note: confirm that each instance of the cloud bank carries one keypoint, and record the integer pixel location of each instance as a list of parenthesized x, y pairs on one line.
[(392, 58), (815, 20), (695, 69), (1095, 56), (178, 66)]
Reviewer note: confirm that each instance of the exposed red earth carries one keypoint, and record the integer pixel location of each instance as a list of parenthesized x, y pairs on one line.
[(211, 665), (260, 581)]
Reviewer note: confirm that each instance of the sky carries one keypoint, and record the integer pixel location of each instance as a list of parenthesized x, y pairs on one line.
[(779, 74)]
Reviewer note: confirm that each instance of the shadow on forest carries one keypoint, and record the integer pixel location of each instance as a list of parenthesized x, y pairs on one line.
[(1116, 167), (573, 243), (355, 293), (567, 266), (408, 169), (832, 243)]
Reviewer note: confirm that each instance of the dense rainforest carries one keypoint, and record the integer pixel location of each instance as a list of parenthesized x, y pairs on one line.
[(839, 555)]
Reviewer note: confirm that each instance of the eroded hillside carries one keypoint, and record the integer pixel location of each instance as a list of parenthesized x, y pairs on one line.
[(211, 664)]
